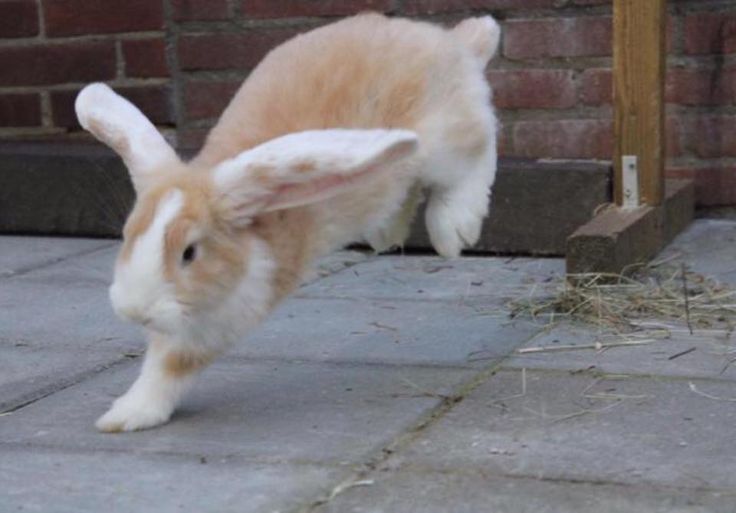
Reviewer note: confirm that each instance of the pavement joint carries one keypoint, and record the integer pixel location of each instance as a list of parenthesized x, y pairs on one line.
[(55, 387), (593, 373), (22, 271), (475, 470), (411, 433), (174, 455)]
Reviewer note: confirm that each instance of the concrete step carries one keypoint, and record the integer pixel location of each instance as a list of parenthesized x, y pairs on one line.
[(83, 190)]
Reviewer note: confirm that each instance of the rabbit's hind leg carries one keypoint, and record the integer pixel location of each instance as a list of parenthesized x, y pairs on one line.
[(455, 211)]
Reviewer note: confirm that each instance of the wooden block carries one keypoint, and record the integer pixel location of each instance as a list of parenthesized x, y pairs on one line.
[(617, 239), (679, 209)]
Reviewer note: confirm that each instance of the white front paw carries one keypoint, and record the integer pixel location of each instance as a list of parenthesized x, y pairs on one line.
[(131, 414)]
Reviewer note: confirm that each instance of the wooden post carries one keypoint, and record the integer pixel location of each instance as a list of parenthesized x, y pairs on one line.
[(639, 64)]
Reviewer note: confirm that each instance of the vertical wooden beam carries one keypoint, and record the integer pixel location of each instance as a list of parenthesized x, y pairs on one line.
[(639, 65)]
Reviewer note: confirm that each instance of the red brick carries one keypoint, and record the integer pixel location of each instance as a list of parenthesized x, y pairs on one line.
[(145, 58), (673, 137), (241, 50), (558, 37), (21, 109), (18, 18), (77, 17), (207, 99), (298, 8), (573, 138), (702, 87), (156, 102), (714, 186), (504, 143), (596, 87), (200, 10), (710, 32), (533, 89), (57, 63), (714, 136), (418, 7)]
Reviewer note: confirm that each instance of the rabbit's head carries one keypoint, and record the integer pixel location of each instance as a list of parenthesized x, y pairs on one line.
[(190, 256)]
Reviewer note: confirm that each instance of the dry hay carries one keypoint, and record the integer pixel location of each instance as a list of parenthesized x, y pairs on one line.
[(658, 291)]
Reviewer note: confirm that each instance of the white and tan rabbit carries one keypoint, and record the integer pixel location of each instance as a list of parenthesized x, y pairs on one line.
[(327, 142)]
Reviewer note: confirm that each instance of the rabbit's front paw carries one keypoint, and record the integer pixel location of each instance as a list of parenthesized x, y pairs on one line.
[(130, 413)]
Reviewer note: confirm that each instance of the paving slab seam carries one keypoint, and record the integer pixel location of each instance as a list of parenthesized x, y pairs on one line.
[(338, 363), (472, 301), (471, 471), (348, 264), (329, 273), (613, 375), (50, 263), (382, 455), (53, 388), (234, 458)]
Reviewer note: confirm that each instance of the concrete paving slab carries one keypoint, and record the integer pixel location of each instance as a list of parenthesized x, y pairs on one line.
[(385, 331), (27, 374), (270, 411), (57, 326), (705, 354), (20, 254), (335, 263), (579, 427), (471, 280), (63, 303), (56, 322), (708, 247), (413, 490), (76, 482)]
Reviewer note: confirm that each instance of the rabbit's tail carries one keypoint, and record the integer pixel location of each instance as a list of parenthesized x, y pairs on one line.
[(480, 35)]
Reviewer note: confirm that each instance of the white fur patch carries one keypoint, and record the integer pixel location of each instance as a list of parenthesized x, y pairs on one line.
[(246, 306), (307, 167), (139, 291), (151, 400)]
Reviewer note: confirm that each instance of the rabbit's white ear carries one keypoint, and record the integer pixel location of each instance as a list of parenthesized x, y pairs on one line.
[(118, 123), (306, 167)]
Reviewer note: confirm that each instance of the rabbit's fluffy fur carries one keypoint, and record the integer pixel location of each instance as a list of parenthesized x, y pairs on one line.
[(332, 139)]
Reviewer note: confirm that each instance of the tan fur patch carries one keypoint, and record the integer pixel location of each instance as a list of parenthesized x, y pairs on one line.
[(305, 166), (179, 364), (144, 211), (290, 235)]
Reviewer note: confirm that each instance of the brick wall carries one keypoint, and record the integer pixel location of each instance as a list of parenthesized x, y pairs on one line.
[(180, 61)]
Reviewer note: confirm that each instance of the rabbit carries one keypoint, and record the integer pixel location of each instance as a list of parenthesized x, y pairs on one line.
[(330, 140)]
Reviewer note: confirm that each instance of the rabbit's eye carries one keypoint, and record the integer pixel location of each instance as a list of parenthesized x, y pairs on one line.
[(189, 254)]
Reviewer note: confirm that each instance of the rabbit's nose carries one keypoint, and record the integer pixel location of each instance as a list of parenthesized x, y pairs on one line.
[(127, 309)]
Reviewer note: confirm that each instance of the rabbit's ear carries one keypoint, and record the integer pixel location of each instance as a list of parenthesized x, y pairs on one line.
[(306, 167), (118, 123)]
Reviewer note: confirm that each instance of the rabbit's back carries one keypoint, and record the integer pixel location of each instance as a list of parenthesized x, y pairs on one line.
[(367, 71)]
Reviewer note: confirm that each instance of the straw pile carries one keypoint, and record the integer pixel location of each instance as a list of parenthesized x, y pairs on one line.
[(657, 291)]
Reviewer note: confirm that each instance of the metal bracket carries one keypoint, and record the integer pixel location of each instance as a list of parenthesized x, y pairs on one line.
[(630, 176)]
